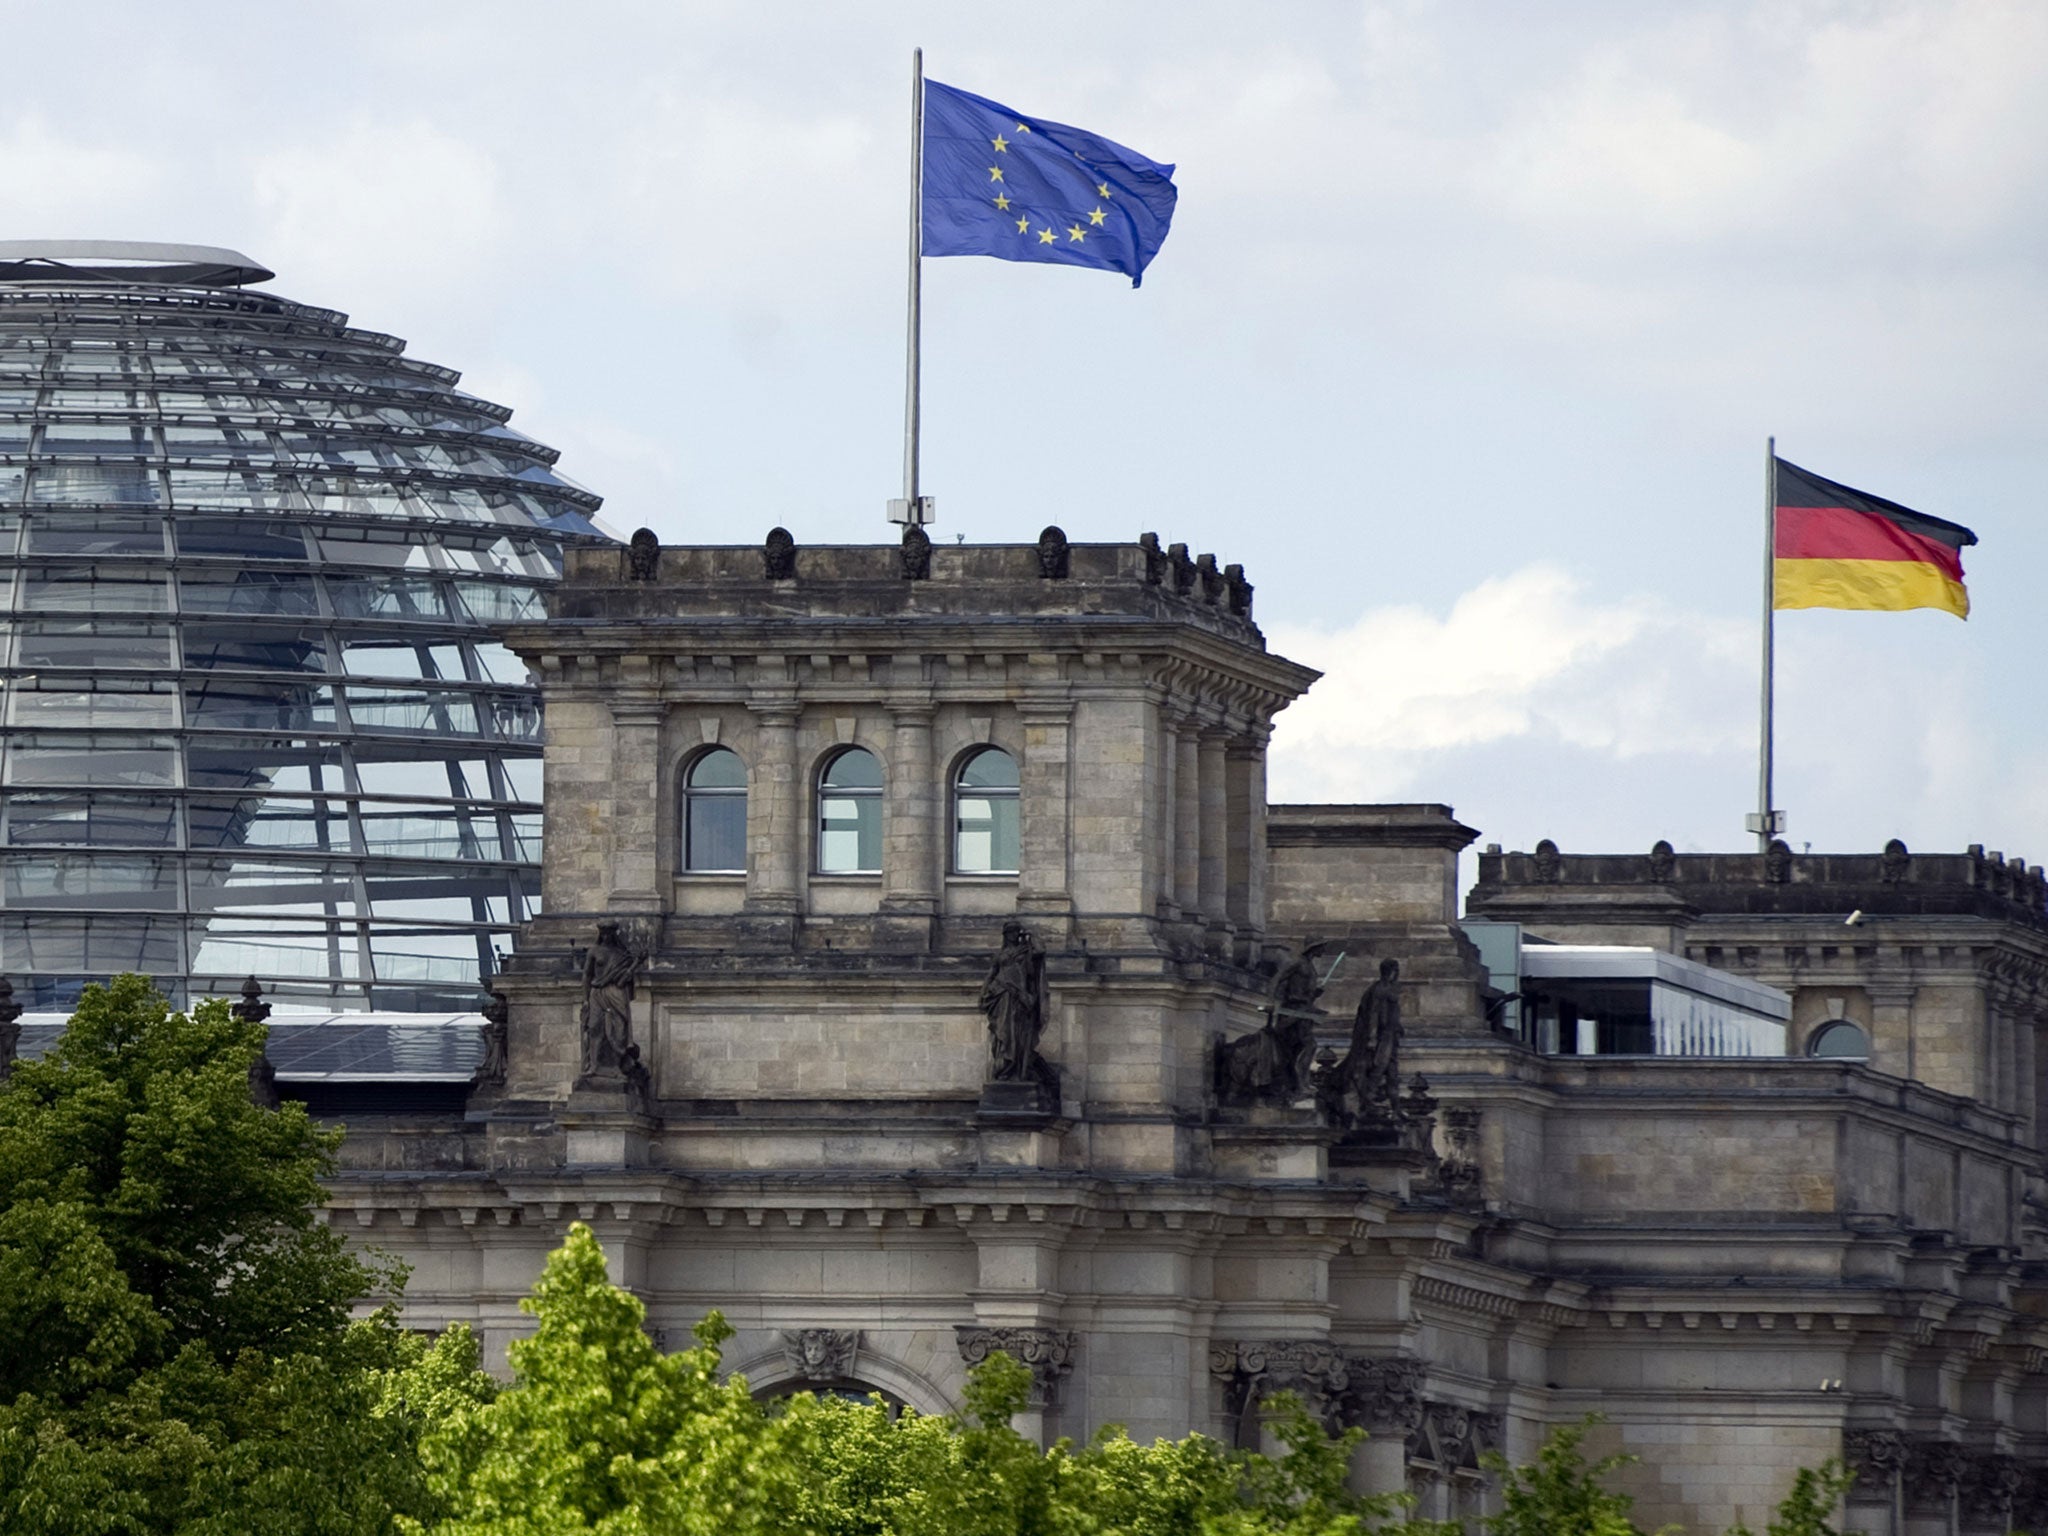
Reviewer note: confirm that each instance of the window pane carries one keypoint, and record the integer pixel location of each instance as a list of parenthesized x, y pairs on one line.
[(86, 643), (269, 648), (313, 826), (719, 768), (84, 880), (990, 768), (853, 769), (121, 484), (247, 592), (90, 589), (60, 820), (850, 834), (985, 835), (91, 702), (95, 533), (717, 832), (241, 538), (138, 762)]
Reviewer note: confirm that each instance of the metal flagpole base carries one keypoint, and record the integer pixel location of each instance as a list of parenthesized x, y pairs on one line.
[(917, 511)]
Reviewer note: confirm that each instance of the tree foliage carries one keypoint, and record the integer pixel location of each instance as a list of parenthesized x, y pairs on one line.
[(176, 1346)]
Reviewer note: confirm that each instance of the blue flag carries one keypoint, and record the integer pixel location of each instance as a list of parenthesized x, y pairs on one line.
[(998, 183)]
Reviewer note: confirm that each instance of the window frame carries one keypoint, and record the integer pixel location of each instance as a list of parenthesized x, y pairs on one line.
[(1013, 793), (822, 795), (689, 794)]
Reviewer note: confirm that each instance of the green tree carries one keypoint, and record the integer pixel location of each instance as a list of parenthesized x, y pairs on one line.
[(1559, 1494), (176, 1349)]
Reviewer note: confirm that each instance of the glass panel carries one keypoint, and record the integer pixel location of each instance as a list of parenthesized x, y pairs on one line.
[(990, 768), (90, 701), (428, 832), (241, 538), (131, 761), (427, 710), (364, 657), (269, 648), (118, 820), (854, 768), (1839, 1039), (88, 439), (524, 829), (231, 488), (495, 602), (522, 777), (273, 822), (302, 890), (850, 834), (515, 717), (429, 776), (85, 880), (495, 664), (93, 589), (250, 946), (265, 763), (121, 484), (400, 598), (985, 840), (246, 592), (250, 703), (96, 533), (716, 834), (720, 768), (93, 643)]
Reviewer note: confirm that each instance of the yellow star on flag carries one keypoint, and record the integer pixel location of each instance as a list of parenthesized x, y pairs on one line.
[(1102, 189), (1023, 127), (995, 173), (1002, 144), (1024, 224), (1075, 233), (1003, 203), (1045, 237), (1096, 217)]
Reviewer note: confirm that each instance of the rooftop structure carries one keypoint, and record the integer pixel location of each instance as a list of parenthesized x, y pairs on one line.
[(256, 719)]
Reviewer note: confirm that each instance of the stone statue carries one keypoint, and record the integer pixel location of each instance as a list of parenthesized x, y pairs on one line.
[(1014, 999), (608, 972), (497, 1012), (251, 1009), (917, 554), (778, 555), (643, 555), (1372, 1070), (262, 1074), (1273, 1063), (1052, 553), (1240, 590), (1155, 559)]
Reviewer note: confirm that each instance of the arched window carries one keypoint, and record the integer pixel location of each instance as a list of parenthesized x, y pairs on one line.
[(985, 814), (1839, 1038), (715, 813), (850, 814)]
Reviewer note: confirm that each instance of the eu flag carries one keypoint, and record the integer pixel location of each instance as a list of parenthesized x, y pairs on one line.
[(998, 183)]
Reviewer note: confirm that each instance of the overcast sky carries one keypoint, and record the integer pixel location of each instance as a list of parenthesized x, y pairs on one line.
[(1466, 340)]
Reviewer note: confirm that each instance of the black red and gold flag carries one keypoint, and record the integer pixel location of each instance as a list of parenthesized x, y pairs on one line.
[(1834, 547)]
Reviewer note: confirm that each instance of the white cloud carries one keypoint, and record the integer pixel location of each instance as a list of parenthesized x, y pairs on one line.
[(56, 187), (1531, 658)]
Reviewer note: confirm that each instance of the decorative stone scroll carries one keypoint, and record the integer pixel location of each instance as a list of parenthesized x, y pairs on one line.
[(1048, 1353), (1314, 1370), (1875, 1458), (1382, 1396), (1989, 1485), (1934, 1471), (821, 1354)]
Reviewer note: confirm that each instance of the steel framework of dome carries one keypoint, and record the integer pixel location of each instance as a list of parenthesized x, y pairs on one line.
[(255, 721)]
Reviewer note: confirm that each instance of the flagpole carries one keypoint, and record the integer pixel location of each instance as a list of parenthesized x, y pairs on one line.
[(912, 508), (1767, 823)]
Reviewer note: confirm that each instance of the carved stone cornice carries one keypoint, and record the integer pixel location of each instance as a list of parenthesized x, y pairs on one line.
[(1048, 1353), (821, 1354)]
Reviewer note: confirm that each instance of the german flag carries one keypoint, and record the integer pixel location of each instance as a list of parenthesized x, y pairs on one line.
[(1834, 547)]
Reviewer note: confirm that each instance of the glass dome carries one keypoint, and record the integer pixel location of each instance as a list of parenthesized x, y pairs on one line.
[(253, 719)]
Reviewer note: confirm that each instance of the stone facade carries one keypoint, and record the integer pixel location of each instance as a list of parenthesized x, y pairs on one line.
[(1737, 1262)]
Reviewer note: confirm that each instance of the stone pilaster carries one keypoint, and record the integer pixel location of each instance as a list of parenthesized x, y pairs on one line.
[(636, 805), (775, 812), (1042, 885), (1245, 878), (1214, 868), (915, 828), (1187, 818)]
